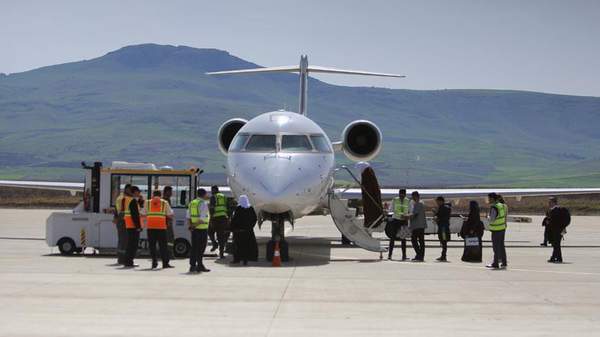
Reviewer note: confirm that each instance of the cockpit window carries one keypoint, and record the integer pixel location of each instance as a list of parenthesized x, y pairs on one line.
[(238, 142), (261, 143), (320, 143), (295, 143)]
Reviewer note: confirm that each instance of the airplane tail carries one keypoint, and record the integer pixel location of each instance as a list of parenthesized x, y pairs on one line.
[(303, 69)]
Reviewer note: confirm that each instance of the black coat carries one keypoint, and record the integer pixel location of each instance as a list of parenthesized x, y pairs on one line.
[(555, 221), (244, 241), (472, 227)]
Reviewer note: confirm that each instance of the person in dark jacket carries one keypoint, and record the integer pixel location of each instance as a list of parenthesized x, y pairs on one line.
[(133, 231), (472, 228), (442, 218), (557, 226), (242, 225)]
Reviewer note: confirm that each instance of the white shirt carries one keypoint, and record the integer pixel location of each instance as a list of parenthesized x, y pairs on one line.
[(202, 211)]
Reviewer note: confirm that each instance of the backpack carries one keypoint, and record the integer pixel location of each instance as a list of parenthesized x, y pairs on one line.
[(565, 216)]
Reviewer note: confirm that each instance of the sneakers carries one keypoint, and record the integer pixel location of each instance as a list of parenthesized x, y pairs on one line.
[(441, 259), (492, 266), (417, 259), (543, 244), (167, 266), (192, 270)]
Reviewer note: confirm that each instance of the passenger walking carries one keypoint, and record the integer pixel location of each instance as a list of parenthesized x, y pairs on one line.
[(133, 225), (417, 225), (219, 220), (243, 221), (442, 218), (472, 233), (119, 221), (497, 217), (558, 220), (400, 206), (167, 194), (157, 212), (198, 218)]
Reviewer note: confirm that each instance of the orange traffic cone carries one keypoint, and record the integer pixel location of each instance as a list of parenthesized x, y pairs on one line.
[(276, 255)]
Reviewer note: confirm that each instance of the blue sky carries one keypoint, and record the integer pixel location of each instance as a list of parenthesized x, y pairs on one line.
[(549, 46)]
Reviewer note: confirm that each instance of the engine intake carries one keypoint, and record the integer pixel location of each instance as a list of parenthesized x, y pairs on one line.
[(361, 140), (227, 131)]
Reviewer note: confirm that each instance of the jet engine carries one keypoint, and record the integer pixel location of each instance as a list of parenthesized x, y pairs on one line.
[(227, 131), (361, 140)]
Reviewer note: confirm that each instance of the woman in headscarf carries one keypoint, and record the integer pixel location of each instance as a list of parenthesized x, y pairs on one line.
[(472, 232), (242, 225)]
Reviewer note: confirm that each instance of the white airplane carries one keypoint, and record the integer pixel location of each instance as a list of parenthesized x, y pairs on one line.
[(285, 163)]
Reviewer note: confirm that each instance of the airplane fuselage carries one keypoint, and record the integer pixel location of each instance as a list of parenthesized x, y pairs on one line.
[(283, 161)]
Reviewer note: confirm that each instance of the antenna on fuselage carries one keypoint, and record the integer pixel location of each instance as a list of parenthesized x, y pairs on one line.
[(303, 69)]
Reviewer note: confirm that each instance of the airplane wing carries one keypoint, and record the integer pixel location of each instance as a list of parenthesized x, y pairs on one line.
[(456, 193), (43, 185)]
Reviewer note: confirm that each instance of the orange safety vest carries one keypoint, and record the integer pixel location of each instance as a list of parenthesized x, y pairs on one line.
[(156, 213), (129, 224)]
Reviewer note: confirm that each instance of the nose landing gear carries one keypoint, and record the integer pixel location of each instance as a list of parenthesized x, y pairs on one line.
[(278, 234)]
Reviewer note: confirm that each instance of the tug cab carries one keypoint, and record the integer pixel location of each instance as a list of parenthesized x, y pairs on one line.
[(90, 224)]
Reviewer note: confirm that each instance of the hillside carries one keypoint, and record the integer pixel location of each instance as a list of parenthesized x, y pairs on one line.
[(154, 103)]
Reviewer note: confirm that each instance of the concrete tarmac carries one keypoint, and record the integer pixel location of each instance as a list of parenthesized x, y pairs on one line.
[(327, 290)]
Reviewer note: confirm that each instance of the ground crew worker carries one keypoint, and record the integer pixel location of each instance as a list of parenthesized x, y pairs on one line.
[(198, 218), (167, 194), (442, 218), (133, 225), (219, 220), (119, 220), (400, 206), (157, 212), (497, 217)]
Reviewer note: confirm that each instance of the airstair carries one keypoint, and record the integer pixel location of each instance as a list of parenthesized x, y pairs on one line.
[(351, 225)]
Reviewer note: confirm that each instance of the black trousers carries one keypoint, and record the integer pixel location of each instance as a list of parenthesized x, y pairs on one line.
[(498, 247), (555, 240), (199, 240), (212, 235), (418, 242), (158, 236), (444, 237), (133, 237), (219, 226), (121, 241), (396, 224)]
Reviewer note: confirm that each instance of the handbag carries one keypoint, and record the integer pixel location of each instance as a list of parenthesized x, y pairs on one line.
[(472, 241), (404, 232)]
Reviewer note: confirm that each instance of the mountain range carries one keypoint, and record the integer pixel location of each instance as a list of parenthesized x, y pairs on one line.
[(154, 103)]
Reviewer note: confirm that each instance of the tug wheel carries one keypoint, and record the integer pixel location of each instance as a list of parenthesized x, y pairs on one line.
[(66, 246), (181, 248)]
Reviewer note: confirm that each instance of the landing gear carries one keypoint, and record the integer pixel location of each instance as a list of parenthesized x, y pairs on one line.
[(278, 234)]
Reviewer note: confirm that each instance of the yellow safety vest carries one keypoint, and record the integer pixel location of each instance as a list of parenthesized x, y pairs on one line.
[(400, 207), (195, 214), (499, 224), (220, 205), (119, 203)]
